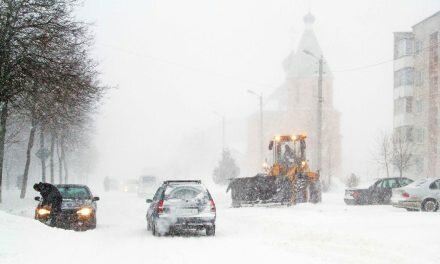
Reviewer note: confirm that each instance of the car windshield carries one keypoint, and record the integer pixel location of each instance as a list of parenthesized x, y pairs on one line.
[(74, 192), (186, 192)]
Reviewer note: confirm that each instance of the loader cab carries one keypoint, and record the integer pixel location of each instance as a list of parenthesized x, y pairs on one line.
[(288, 149)]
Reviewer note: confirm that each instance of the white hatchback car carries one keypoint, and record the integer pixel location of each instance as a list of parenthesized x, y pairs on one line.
[(420, 195)]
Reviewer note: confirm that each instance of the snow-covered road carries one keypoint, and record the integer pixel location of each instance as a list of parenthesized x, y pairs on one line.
[(330, 232)]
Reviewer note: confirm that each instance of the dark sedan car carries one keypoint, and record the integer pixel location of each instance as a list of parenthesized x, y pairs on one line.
[(179, 205), (377, 192), (78, 209)]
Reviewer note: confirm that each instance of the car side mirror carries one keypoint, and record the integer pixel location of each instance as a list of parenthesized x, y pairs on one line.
[(96, 198), (149, 201), (37, 198)]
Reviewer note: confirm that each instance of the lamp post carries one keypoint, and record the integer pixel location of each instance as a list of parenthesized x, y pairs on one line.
[(260, 96), (319, 108)]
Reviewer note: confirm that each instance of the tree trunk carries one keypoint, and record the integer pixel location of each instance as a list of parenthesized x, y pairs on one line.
[(60, 163), (43, 157), (52, 148), (3, 118), (28, 160), (7, 173), (63, 157)]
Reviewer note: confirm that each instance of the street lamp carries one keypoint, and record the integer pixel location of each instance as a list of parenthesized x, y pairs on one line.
[(260, 96), (319, 113)]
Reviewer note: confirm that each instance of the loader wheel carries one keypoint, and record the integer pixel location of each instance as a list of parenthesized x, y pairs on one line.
[(300, 188), (235, 204), (315, 192)]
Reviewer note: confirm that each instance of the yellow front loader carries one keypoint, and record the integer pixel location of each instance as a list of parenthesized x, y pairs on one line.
[(288, 180)]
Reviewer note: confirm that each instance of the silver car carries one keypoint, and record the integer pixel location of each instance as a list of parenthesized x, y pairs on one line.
[(179, 205), (421, 195)]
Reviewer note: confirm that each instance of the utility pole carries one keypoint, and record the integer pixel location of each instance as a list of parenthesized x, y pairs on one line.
[(319, 114), (319, 110)]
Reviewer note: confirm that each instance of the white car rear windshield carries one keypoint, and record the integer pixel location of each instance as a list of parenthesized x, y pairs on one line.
[(185, 192)]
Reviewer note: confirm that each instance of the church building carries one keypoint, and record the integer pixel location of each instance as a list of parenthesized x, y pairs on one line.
[(293, 109)]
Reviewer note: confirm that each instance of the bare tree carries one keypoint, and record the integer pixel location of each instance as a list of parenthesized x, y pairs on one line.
[(21, 22), (385, 154), (46, 74), (403, 153)]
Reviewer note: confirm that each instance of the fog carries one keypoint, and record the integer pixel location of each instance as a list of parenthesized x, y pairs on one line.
[(175, 64)]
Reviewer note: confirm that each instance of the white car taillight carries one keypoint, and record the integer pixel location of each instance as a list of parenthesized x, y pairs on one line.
[(160, 207), (212, 205)]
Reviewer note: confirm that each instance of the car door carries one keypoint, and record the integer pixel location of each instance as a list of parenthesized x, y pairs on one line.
[(381, 190), (375, 190), (387, 190), (153, 204)]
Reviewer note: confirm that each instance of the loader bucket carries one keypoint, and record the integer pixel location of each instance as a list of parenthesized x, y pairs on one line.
[(263, 189), (260, 189)]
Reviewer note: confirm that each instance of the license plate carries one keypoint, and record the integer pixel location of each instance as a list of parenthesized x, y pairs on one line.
[(186, 211)]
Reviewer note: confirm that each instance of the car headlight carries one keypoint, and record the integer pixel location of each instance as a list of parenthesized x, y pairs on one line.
[(86, 211), (43, 211)]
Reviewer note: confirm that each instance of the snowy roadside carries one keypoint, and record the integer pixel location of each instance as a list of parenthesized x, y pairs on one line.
[(330, 232), (12, 204)]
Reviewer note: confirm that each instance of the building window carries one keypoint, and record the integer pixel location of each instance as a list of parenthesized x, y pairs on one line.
[(418, 78), (409, 101), (418, 46), (419, 105), (419, 137), (403, 105), (434, 46), (404, 47), (409, 134), (419, 164), (434, 82), (399, 106), (404, 76)]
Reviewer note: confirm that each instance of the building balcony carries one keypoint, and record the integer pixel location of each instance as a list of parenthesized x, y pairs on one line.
[(403, 91), (404, 119), (403, 62)]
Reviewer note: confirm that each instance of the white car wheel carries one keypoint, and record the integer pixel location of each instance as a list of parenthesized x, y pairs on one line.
[(430, 206)]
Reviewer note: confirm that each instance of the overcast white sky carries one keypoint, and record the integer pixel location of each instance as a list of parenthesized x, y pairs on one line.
[(175, 62)]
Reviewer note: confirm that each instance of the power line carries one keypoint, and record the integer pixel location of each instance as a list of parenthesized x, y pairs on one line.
[(384, 62), (366, 66)]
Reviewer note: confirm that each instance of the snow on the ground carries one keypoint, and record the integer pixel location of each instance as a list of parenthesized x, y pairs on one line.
[(330, 232)]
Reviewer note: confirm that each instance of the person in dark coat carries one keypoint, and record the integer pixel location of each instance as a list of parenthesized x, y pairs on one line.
[(51, 197)]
